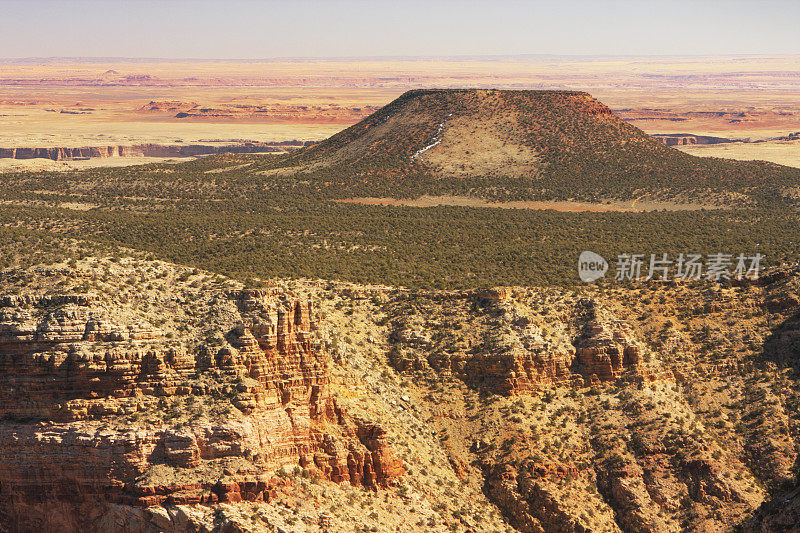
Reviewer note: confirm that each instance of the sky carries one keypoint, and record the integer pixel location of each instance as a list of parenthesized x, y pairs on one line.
[(261, 29)]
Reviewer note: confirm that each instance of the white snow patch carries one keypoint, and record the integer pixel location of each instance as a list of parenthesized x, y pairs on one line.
[(436, 140)]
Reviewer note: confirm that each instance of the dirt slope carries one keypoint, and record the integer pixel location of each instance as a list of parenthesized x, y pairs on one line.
[(513, 144)]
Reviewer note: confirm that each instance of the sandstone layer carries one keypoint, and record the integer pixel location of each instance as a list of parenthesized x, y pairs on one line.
[(146, 150), (78, 376)]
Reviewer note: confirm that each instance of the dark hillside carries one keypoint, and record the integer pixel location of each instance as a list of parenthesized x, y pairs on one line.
[(516, 145)]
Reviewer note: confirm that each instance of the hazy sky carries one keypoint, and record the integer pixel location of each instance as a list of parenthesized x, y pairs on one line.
[(251, 29)]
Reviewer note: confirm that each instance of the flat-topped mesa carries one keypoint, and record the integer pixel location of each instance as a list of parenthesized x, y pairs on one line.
[(501, 145), (453, 130)]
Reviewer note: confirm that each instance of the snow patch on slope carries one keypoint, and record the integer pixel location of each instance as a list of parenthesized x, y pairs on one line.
[(436, 140)]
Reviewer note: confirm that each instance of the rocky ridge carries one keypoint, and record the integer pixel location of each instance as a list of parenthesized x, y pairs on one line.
[(606, 409), (144, 150), (77, 376)]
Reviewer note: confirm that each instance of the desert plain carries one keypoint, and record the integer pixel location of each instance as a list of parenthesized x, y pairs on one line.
[(71, 103)]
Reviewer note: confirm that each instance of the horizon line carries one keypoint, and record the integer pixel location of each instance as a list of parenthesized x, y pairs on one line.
[(458, 57)]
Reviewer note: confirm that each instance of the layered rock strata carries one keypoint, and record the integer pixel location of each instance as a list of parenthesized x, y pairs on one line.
[(510, 353), (76, 377)]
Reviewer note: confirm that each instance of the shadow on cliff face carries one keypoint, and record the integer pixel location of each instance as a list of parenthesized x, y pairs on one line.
[(782, 307), (781, 349), (782, 346)]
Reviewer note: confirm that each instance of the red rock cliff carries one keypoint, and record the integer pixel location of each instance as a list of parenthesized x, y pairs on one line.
[(75, 377)]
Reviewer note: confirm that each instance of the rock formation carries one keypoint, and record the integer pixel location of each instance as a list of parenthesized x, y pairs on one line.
[(511, 145), (682, 139), (144, 150), (606, 346), (512, 355), (75, 376)]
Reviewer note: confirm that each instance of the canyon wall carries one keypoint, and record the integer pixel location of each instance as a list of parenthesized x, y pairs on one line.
[(680, 139), (91, 397), (146, 150), (501, 350)]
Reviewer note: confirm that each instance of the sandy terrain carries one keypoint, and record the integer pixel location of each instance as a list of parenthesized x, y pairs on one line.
[(14, 165), (35, 127), (90, 102), (783, 152)]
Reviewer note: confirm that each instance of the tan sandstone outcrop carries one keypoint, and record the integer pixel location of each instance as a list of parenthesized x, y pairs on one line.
[(69, 368)]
